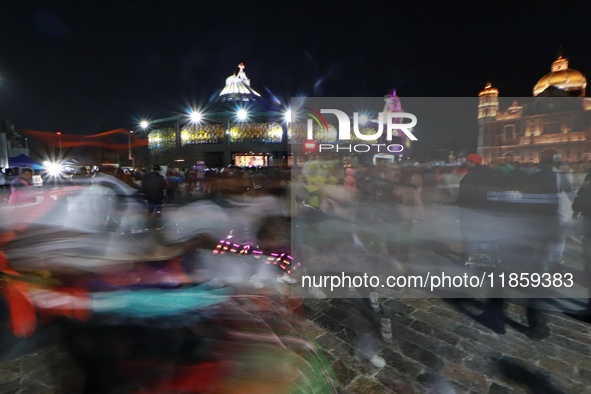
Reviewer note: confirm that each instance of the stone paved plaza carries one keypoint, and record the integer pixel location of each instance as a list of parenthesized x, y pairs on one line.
[(436, 348)]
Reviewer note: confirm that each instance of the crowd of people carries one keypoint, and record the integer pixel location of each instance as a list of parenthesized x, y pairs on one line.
[(512, 218), (516, 220), (138, 311)]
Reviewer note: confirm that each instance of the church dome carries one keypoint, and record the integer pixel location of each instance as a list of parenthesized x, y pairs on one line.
[(238, 88), (563, 78)]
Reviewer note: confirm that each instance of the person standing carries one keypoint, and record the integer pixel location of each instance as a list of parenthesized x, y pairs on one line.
[(566, 196), (548, 184), (522, 222), (2, 178), (172, 185), (411, 207), (3, 187), (472, 202), (582, 207), (479, 227), (153, 187), (20, 192)]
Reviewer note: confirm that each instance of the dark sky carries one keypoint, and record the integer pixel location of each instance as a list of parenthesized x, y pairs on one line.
[(91, 66)]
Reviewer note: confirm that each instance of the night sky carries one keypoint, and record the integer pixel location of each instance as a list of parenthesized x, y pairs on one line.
[(92, 66)]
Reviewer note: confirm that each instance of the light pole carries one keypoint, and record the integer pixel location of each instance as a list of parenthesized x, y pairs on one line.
[(129, 154), (144, 126), (284, 138), (59, 134)]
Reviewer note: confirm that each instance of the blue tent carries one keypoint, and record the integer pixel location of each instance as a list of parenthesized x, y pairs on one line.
[(23, 160)]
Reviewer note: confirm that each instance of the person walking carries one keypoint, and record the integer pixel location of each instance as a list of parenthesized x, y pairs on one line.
[(153, 187), (472, 201), (20, 191), (582, 208), (522, 221), (566, 197), (3, 188)]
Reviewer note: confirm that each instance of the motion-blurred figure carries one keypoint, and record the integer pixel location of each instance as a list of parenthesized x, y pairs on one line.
[(2, 178), (407, 197), (153, 186), (81, 175), (20, 190), (520, 223), (471, 200), (548, 184), (582, 207), (3, 188), (566, 196), (172, 186)]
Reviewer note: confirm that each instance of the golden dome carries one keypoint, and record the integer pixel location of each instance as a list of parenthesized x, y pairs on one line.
[(488, 90), (561, 77)]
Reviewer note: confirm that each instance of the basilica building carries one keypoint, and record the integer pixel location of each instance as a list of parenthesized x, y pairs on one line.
[(555, 121), (238, 127)]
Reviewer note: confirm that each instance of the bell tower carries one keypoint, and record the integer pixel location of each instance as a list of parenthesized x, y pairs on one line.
[(488, 106), (488, 102)]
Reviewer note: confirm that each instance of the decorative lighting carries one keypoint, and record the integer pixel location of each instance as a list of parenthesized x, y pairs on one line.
[(185, 136)]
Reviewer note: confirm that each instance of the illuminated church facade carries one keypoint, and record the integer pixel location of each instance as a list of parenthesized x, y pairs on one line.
[(240, 127), (556, 121)]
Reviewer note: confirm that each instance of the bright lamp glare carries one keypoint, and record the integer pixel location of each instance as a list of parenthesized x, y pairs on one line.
[(287, 116), (363, 119), (195, 116), (144, 124), (54, 169), (242, 114)]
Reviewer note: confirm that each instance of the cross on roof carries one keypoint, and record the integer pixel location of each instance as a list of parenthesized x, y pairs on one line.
[(241, 66)]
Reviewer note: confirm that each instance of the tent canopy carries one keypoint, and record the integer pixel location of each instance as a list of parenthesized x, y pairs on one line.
[(80, 161), (23, 160)]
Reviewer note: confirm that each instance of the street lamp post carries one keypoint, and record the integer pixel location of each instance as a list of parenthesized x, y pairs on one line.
[(144, 126), (59, 134), (285, 136), (129, 153)]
